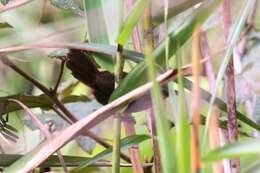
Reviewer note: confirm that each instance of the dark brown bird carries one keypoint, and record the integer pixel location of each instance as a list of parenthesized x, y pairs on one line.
[(85, 70)]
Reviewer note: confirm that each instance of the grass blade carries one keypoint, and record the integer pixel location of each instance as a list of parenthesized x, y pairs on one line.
[(241, 148), (131, 21), (125, 143), (232, 41)]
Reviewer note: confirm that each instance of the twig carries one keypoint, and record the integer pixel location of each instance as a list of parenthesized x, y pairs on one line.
[(214, 132), (150, 118), (60, 76), (195, 105), (133, 151), (230, 88), (42, 128), (129, 126)]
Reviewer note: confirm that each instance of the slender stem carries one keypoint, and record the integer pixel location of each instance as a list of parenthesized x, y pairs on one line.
[(60, 76), (129, 126), (119, 64), (214, 132), (118, 119), (230, 88), (195, 105), (133, 151), (116, 144), (119, 67), (149, 45), (150, 117)]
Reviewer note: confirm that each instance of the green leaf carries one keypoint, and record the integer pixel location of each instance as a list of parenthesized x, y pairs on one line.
[(97, 30), (5, 25), (241, 148), (40, 101), (8, 159), (138, 77), (132, 19), (182, 124), (125, 143)]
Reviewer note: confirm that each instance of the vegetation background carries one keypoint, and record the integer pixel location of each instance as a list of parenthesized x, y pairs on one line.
[(185, 86)]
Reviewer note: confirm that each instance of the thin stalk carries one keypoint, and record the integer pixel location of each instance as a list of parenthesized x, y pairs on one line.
[(182, 125), (195, 105), (118, 71), (162, 126), (43, 129), (150, 113), (166, 35), (155, 145), (133, 151), (116, 144), (118, 119), (129, 126), (230, 88), (60, 76), (214, 132)]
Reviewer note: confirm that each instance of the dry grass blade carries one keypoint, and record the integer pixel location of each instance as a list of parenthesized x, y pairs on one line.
[(195, 105), (133, 151), (42, 128), (230, 87), (13, 5), (214, 131)]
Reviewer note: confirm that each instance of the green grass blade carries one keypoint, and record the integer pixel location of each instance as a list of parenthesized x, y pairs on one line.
[(125, 143), (241, 148), (134, 16), (182, 126), (162, 126), (137, 76), (97, 30), (233, 38), (8, 159)]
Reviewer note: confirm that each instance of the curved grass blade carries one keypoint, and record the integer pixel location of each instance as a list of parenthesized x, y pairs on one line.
[(8, 159), (108, 51), (97, 30), (241, 148), (131, 21), (222, 105), (40, 101), (233, 38), (125, 143)]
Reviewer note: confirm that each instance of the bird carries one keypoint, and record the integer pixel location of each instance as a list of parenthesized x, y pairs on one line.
[(84, 68)]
